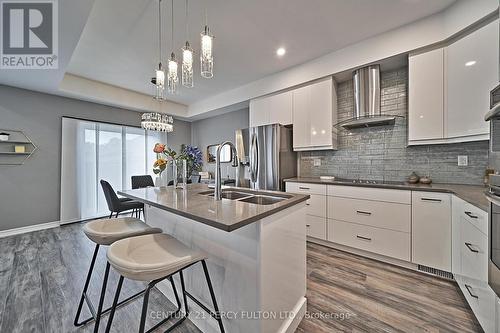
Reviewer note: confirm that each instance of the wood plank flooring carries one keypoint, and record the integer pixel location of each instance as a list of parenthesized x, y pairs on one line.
[(42, 273), (365, 295)]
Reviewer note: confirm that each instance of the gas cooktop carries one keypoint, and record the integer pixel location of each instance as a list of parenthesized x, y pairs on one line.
[(369, 182)]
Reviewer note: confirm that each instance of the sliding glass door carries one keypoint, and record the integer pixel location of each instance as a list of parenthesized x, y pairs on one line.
[(92, 151)]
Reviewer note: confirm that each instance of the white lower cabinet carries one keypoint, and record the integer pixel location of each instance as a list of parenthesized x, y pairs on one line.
[(386, 242), (316, 227), (473, 252), (481, 299), (316, 224), (431, 230), (434, 229)]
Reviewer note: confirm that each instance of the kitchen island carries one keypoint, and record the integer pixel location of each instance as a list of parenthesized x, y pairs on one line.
[(256, 246)]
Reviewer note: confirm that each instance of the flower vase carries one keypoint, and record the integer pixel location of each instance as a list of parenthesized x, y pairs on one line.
[(182, 174), (164, 178), (174, 172)]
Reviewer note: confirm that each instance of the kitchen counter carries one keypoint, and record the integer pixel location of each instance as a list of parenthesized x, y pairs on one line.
[(473, 194), (227, 215), (256, 254)]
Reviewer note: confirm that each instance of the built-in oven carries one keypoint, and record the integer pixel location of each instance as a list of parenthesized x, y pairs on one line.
[(494, 238), (494, 191)]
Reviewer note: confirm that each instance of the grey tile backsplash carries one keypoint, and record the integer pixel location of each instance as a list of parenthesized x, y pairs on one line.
[(381, 153)]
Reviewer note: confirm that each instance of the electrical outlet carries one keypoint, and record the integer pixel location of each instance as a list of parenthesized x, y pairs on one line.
[(463, 160), (317, 162)]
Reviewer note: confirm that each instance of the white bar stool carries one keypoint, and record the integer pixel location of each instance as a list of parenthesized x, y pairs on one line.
[(155, 258), (106, 232)]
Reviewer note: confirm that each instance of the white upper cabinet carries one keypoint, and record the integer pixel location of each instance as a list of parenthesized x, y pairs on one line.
[(314, 114), (426, 96), (449, 89), (275, 109), (471, 72)]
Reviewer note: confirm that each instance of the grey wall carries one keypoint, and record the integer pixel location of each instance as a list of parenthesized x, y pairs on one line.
[(380, 153), (30, 193), (215, 130)]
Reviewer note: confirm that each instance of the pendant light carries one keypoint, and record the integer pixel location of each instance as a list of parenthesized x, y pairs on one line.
[(159, 79), (187, 57), (172, 77), (206, 56)]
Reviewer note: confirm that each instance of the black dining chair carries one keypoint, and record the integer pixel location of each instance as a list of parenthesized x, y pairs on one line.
[(117, 205), (171, 183), (142, 181), (195, 178)]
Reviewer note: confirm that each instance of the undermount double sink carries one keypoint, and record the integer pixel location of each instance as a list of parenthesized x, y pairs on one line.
[(249, 197)]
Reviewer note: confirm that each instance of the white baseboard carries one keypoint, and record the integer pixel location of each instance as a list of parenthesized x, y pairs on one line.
[(30, 228)]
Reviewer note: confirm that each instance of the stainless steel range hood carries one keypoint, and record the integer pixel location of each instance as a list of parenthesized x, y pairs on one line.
[(366, 83)]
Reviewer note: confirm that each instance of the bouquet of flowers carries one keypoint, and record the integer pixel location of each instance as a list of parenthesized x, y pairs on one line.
[(163, 155), (193, 157)]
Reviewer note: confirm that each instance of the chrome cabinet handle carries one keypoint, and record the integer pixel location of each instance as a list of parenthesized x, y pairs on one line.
[(431, 199), (363, 213), (363, 238), (472, 216), (304, 188), (469, 245), (469, 288)]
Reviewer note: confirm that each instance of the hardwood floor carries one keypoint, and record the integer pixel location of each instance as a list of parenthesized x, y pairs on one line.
[(42, 273), (41, 278), (365, 295)]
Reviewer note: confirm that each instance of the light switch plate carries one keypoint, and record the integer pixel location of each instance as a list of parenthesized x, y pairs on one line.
[(463, 160), (317, 162)]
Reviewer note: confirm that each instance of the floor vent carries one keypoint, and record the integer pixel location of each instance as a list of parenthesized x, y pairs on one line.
[(437, 272)]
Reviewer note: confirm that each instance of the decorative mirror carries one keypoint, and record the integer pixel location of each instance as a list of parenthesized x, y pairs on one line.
[(226, 155)]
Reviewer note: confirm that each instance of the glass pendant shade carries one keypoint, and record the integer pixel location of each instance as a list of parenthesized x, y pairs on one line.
[(172, 74), (155, 121), (206, 57), (187, 66), (159, 83)]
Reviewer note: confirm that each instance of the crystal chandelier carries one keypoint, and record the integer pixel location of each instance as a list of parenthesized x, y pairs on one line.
[(155, 121), (159, 79)]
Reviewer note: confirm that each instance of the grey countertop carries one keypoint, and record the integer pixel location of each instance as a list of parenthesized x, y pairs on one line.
[(473, 194), (227, 215)]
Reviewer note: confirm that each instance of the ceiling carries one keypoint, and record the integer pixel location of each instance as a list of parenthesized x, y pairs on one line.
[(119, 42)]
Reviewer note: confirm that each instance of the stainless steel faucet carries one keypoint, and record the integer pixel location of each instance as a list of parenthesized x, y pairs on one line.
[(218, 181)]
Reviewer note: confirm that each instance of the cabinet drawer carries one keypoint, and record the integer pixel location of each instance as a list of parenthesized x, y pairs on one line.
[(386, 215), (481, 299), (304, 188), (316, 205), (316, 227), (367, 193), (476, 216), (381, 241), (473, 252)]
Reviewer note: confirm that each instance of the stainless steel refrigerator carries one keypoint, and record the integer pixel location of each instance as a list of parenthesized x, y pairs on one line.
[(266, 157)]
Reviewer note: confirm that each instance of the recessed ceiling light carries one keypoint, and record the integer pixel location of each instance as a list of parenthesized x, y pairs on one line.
[(280, 52), (470, 63)]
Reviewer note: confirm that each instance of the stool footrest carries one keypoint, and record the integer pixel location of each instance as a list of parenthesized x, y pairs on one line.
[(106, 311), (203, 306)]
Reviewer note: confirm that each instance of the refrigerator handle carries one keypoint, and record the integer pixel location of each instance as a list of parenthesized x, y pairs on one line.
[(254, 158)]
